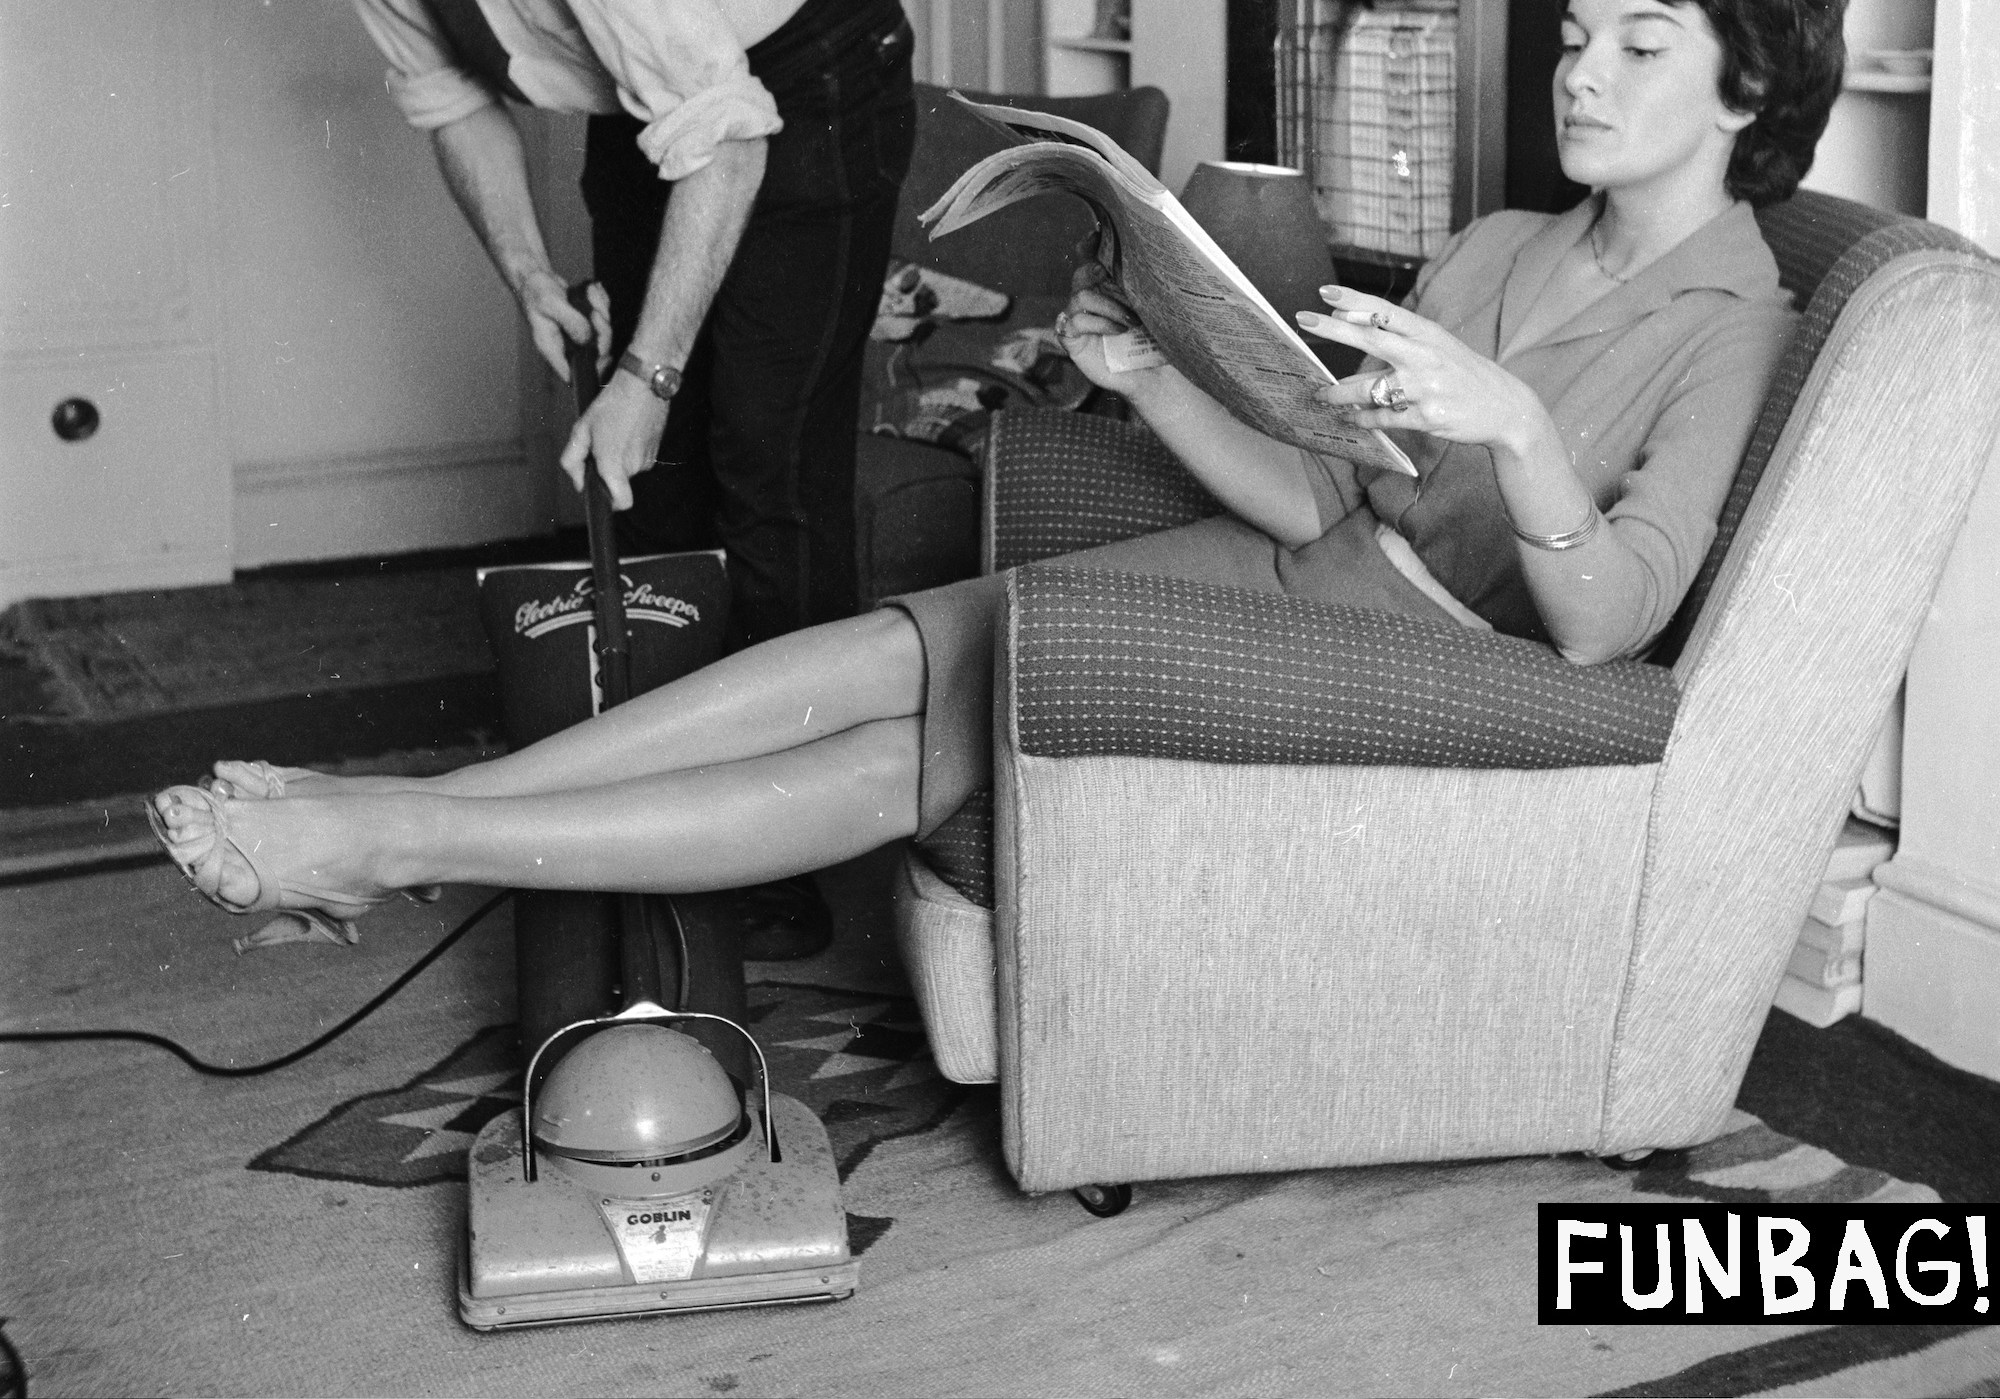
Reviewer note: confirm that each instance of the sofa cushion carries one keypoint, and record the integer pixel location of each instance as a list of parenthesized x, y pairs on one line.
[(916, 517)]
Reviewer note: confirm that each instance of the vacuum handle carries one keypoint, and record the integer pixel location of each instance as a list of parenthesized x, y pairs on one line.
[(614, 671), (638, 971)]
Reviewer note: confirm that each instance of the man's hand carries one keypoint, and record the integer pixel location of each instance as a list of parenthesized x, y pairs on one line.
[(555, 325), (487, 172), (622, 431)]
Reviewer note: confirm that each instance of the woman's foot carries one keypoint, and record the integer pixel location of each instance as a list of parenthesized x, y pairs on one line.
[(250, 856), (257, 780)]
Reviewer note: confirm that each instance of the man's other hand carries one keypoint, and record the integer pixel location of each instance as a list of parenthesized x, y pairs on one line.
[(622, 432), (554, 324)]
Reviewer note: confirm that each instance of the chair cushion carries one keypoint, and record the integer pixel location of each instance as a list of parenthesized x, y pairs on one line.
[(1119, 664), (947, 949), (1061, 482), (960, 850)]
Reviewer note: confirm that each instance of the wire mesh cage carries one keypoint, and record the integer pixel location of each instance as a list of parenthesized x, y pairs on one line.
[(1367, 105)]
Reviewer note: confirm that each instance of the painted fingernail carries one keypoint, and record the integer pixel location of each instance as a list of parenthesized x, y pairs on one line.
[(1333, 293), (1308, 317)]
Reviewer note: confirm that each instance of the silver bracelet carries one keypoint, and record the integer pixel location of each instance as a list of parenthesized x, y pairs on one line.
[(1568, 539)]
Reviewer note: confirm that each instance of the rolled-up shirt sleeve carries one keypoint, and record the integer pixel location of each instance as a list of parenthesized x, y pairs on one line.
[(680, 69), (424, 81)]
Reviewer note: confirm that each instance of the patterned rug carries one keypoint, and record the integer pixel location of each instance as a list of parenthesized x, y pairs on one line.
[(295, 1234), (857, 1059)]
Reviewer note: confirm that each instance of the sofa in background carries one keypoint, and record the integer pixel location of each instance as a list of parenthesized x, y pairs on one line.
[(917, 498)]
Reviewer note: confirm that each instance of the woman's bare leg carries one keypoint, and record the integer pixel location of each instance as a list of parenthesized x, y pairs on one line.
[(775, 696), (712, 827)]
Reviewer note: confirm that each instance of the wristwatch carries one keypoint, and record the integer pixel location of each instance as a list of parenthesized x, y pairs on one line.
[(661, 379)]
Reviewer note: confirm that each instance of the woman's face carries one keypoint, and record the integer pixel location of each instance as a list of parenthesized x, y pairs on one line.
[(1636, 100)]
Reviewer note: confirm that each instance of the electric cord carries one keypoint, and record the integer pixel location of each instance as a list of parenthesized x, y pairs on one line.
[(202, 1066)]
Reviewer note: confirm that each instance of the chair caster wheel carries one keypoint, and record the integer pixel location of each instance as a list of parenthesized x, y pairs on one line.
[(1103, 1200), (1628, 1160)]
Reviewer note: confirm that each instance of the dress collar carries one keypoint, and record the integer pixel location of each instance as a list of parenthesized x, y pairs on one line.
[(1727, 253)]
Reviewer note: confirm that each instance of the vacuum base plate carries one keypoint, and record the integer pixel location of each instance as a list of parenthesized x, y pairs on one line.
[(654, 1299), (774, 1232)]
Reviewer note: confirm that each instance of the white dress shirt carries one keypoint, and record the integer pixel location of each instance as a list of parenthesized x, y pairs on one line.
[(679, 66)]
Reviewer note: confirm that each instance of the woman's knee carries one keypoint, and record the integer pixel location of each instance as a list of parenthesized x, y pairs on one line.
[(891, 652), (885, 759)]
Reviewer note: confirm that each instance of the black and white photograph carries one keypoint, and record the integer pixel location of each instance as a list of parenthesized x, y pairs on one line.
[(1000, 698)]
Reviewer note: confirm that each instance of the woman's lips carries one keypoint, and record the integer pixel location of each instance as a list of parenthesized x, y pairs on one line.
[(1573, 126)]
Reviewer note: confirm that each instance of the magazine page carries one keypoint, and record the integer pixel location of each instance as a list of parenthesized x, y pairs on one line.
[(1025, 125), (1214, 326)]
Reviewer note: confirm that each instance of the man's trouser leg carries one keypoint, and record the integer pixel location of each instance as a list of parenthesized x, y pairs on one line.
[(758, 454)]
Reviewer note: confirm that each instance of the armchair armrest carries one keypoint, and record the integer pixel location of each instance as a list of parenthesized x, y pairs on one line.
[(1117, 664), (1060, 481)]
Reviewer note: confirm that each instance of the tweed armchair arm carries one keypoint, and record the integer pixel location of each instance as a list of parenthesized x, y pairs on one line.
[(1058, 481), (1116, 664)]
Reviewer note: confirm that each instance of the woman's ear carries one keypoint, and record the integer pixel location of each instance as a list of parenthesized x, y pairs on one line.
[(1732, 120)]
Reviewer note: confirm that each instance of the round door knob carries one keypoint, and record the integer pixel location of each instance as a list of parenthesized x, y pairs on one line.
[(75, 419)]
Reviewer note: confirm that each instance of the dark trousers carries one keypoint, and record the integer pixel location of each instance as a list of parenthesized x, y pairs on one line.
[(758, 453)]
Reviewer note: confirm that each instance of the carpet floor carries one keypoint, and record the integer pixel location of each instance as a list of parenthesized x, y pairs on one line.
[(295, 1233)]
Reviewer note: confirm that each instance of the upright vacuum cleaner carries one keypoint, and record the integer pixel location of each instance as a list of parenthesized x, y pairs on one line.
[(638, 1176)]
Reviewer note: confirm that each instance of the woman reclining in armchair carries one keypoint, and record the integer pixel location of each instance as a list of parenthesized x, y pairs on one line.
[(1576, 392)]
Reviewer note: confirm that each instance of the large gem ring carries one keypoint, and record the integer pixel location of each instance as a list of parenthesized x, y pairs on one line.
[(1380, 394)]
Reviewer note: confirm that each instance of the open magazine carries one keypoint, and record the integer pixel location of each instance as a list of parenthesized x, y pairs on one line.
[(1206, 317)]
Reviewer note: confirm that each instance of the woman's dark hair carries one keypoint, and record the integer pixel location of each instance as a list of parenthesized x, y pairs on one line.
[(1781, 59)]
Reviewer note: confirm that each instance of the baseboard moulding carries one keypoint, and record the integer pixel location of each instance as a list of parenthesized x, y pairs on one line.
[(389, 503), (82, 576), (1933, 964)]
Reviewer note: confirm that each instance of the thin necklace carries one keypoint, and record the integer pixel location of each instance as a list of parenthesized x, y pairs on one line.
[(1598, 258)]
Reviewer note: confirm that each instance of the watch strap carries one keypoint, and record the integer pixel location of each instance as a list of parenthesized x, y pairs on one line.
[(663, 380)]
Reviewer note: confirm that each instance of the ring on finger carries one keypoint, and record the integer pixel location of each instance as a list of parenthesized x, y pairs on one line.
[(1380, 320), (1398, 401), (1379, 392), (1062, 324)]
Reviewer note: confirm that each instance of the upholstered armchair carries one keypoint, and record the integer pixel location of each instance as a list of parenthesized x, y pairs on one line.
[(1264, 885)]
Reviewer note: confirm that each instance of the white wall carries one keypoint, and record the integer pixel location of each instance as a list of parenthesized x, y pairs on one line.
[(107, 179), (1933, 963), (216, 227), (372, 368)]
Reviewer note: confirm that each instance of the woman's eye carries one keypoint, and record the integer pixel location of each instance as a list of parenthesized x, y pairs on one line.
[(1642, 53)]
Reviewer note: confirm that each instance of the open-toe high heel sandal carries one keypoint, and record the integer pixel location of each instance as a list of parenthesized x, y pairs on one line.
[(200, 863), (256, 780)]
